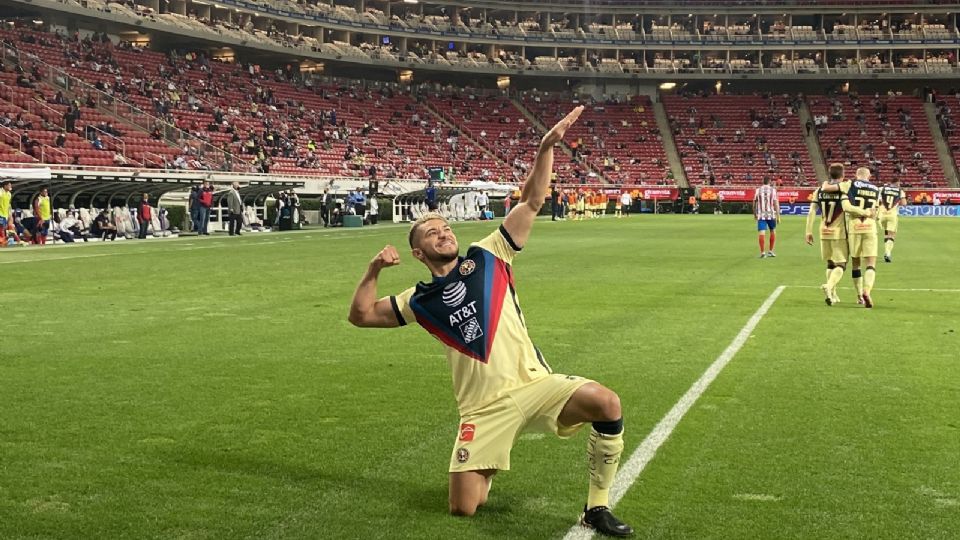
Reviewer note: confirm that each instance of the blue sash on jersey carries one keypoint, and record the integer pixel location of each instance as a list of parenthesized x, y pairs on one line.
[(462, 309)]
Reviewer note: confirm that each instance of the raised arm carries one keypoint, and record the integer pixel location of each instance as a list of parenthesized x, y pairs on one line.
[(365, 310), (520, 220)]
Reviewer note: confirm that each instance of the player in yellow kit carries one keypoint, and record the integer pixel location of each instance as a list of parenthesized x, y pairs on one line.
[(862, 231), (891, 199), (43, 213), (6, 194), (502, 383), (833, 231)]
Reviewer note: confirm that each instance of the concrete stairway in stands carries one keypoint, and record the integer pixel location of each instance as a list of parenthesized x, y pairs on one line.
[(813, 145), (943, 149), (670, 145)]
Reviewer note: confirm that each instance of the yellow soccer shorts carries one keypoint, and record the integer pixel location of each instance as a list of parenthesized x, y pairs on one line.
[(487, 435), (834, 250), (889, 222), (863, 245)]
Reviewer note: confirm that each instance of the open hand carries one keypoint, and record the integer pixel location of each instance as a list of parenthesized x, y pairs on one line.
[(555, 135)]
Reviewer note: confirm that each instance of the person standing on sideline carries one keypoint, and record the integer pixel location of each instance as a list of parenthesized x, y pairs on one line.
[(144, 215), (626, 201), (6, 217), (482, 202), (235, 206), (555, 208), (206, 203), (325, 202), (195, 208), (766, 212), (43, 213), (502, 383), (507, 203)]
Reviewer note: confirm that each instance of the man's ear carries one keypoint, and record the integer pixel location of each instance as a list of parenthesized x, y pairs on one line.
[(417, 254)]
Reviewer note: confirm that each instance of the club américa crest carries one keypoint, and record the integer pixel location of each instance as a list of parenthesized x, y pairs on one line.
[(467, 267)]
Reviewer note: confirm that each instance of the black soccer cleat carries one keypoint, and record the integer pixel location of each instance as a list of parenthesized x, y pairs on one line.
[(602, 520), (887, 258)]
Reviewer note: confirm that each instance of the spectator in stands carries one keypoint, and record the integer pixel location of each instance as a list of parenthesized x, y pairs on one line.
[(61, 139), (103, 228), (206, 202), (96, 142), (235, 206), (144, 215)]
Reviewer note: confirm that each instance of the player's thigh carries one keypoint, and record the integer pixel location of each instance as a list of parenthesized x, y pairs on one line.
[(868, 246), (890, 226), (485, 437), (544, 401), (834, 250)]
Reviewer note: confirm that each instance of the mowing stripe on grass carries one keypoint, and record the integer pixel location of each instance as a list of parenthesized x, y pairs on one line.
[(880, 289), (644, 453)]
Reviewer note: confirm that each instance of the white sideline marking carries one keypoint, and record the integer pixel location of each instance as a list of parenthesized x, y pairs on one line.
[(644, 453), (881, 289)]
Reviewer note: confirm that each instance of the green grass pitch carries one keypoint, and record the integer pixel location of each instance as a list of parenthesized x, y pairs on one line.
[(212, 388)]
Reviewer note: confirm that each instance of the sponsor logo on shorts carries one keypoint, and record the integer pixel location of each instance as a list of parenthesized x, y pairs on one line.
[(462, 455), (467, 431), (454, 294), (467, 267), (471, 330)]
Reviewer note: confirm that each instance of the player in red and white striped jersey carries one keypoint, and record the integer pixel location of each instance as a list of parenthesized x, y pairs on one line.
[(766, 210)]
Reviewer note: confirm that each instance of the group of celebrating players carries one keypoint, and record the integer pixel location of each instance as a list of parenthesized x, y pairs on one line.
[(850, 214)]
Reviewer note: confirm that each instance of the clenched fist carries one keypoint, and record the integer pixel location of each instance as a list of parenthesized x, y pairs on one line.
[(388, 256)]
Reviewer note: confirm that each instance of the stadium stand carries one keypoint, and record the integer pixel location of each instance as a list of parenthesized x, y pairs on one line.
[(887, 133), (734, 139), (618, 138)]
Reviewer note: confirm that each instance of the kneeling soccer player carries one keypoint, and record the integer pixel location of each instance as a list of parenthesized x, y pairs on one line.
[(502, 383)]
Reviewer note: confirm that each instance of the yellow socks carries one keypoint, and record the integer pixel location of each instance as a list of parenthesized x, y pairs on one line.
[(603, 456), (868, 278), (834, 278), (888, 246)]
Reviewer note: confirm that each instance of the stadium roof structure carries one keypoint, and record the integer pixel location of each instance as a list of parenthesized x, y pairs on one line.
[(120, 186)]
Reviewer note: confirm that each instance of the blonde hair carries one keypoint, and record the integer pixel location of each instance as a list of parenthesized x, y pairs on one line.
[(429, 216), (863, 173)]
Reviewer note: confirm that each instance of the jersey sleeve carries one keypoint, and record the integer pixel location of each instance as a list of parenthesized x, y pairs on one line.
[(401, 306), (500, 244)]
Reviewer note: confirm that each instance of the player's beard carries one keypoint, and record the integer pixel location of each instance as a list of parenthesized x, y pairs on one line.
[(443, 258)]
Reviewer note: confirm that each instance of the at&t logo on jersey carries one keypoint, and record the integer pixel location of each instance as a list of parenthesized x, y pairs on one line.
[(454, 293)]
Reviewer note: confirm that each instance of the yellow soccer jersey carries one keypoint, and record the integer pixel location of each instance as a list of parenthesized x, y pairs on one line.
[(5, 197), (43, 204), (475, 313), (863, 196), (890, 200), (832, 223)]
